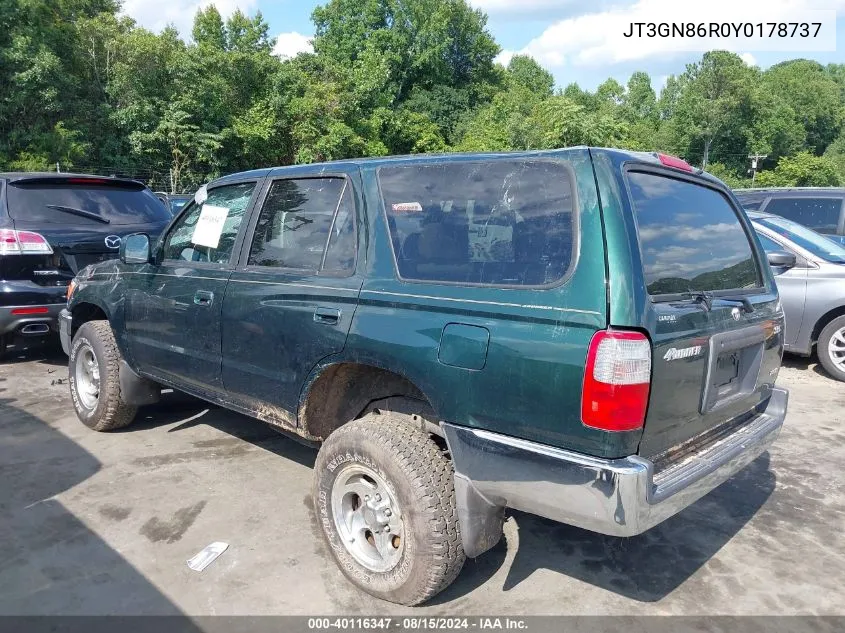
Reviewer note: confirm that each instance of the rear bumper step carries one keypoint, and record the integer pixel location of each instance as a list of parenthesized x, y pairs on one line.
[(619, 497)]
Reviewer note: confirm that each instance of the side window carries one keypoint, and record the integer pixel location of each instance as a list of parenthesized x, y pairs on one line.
[(820, 214), (206, 232), (306, 224), (498, 222)]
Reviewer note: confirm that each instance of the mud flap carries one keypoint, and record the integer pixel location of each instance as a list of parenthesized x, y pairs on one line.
[(481, 521), (135, 390)]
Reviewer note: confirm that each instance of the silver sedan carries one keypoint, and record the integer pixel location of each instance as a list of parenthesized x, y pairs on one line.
[(810, 274)]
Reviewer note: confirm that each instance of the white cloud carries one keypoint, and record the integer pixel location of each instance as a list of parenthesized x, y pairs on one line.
[(157, 14), (749, 59), (593, 39), (504, 58), (523, 7), (292, 44)]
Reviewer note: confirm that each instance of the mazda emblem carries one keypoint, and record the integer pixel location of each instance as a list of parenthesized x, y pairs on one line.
[(113, 241), (736, 313)]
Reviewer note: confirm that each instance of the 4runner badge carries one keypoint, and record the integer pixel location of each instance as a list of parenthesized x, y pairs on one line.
[(687, 352)]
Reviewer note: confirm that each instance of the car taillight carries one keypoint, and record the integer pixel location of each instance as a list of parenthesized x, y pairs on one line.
[(616, 381), (23, 243)]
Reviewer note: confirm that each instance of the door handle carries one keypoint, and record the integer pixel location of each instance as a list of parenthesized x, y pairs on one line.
[(327, 316), (203, 298)]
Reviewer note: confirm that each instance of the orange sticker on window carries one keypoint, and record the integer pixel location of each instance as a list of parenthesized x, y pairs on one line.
[(407, 207)]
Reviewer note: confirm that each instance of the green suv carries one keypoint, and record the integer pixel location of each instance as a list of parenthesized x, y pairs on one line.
[(589, 335)]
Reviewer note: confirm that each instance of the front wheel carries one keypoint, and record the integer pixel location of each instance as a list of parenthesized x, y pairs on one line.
[(831, 348), (385, 500), (94, 377)]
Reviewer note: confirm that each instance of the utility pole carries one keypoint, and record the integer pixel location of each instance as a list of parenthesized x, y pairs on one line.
[(755, 162)]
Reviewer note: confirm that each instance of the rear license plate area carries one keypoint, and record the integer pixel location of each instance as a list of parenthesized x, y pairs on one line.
[(733, 367), (726, 374)]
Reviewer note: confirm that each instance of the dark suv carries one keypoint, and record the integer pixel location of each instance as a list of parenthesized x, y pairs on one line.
[(52, 226), (589, 335), (819, 208)]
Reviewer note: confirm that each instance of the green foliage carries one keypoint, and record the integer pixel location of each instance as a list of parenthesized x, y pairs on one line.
[(86, 87), (729, 177), (524, 72), (801, 170), (815, 97), (835, 152)]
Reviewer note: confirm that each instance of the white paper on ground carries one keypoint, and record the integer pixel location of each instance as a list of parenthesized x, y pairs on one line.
[(210, 226), (207, 556)]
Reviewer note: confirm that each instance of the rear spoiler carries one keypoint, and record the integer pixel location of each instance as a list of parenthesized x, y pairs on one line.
[(76, 179)]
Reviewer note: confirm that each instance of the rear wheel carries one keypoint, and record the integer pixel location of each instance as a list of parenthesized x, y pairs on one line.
[(831, 348), (385, 500), (94, 377)]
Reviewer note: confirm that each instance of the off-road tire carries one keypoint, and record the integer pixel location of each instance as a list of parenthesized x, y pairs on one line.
[(827, 362), (111, 412), (420, 477)]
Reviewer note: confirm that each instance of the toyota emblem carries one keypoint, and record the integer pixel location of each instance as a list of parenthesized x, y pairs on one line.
[(736, 313), (113, 241)]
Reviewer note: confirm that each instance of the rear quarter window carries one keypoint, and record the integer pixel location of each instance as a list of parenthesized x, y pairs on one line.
[(85, 204), (690, 237), (501, 223)]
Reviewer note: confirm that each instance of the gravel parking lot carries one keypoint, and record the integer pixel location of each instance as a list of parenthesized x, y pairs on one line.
[(103, 523)]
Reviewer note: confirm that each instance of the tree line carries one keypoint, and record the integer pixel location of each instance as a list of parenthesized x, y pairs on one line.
[(87, 88)]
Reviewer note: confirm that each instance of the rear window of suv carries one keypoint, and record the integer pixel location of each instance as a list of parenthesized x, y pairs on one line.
[(504, 222), (690, 237), (85, 204)]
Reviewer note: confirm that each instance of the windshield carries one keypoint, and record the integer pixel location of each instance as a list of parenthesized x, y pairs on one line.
[(809, 240)]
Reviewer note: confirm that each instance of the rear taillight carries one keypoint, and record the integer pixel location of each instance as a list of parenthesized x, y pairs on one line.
[(23, 243), (616, 381)]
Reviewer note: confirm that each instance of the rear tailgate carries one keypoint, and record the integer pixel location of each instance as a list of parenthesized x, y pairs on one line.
[(712, 311)]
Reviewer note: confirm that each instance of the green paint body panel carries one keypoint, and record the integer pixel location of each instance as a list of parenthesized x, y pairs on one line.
[(508, 360)]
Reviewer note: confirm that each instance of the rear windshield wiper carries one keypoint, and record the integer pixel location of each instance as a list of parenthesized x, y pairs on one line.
[(80, 212), (700, 296), (746, 303), (706, 299)]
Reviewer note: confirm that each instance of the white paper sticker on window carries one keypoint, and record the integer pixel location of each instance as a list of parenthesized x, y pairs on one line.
[(210, 226)]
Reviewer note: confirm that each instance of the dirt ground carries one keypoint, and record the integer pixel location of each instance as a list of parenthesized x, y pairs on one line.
[(103, 523)]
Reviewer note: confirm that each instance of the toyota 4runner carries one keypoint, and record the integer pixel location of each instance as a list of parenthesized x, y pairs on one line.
[(589, 335)]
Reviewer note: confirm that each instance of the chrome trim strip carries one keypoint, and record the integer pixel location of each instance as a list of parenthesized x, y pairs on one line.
[(526, 306), (244, 281)]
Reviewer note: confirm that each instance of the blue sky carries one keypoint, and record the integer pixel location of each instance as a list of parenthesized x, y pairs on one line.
[(577, 41)]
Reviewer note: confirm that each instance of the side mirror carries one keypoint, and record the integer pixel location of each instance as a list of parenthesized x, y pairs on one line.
[(135, 249), (781, 259)]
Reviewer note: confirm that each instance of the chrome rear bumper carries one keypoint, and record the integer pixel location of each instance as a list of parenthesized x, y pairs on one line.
[(620, 497)]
